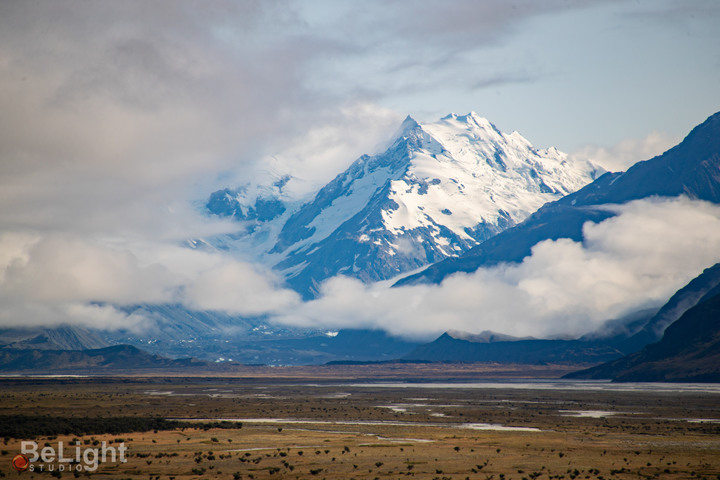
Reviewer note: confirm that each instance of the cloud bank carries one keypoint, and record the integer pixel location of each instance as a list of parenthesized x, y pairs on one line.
[(58, 279), (634, 260)]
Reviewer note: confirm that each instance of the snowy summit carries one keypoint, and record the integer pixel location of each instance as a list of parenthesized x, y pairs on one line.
[(437, 191)]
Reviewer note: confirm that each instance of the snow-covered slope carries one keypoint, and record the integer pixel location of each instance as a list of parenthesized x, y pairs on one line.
[(260, 209), (691, 168), (437, 191), (466, 173)]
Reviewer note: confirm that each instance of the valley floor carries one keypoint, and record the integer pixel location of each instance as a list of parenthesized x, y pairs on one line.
[(239, 429)]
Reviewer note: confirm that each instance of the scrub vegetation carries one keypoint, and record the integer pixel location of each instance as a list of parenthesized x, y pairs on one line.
[(178, 429)]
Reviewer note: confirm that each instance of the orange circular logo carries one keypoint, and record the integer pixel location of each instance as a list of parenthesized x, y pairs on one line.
[(20, 462)]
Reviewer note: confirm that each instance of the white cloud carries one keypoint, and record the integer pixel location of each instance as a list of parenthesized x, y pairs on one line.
[(634, 260), (58, 268), (238, 288), (625, 154), (331, 143), (102, 317), (58, 279)]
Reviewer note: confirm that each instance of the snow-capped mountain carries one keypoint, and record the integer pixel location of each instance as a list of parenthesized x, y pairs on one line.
[(691, 168), (438, 190)]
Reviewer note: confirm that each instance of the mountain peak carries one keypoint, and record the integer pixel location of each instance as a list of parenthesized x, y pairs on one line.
[(408, 125), (472, 116), (477, 126), (410, 121), (437, 191)]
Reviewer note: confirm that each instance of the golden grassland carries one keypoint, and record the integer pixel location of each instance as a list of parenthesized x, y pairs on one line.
[(334, 430)]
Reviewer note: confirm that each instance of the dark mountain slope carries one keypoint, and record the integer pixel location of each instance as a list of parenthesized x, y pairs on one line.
[(688, 352), (699, 289), (64, 337), (117, 358)]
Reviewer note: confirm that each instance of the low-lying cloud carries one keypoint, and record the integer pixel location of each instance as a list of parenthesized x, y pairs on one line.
[(58, 279), (634, 260)]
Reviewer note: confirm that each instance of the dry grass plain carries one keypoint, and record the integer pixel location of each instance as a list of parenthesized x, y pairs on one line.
[(290, 429)]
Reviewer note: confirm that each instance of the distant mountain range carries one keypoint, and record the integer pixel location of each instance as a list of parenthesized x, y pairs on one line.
[(438, 190), (217, 337), (118, 359), (456, 347), (57, 338)]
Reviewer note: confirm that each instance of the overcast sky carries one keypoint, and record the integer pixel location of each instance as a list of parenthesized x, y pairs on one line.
[(119, 116)]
